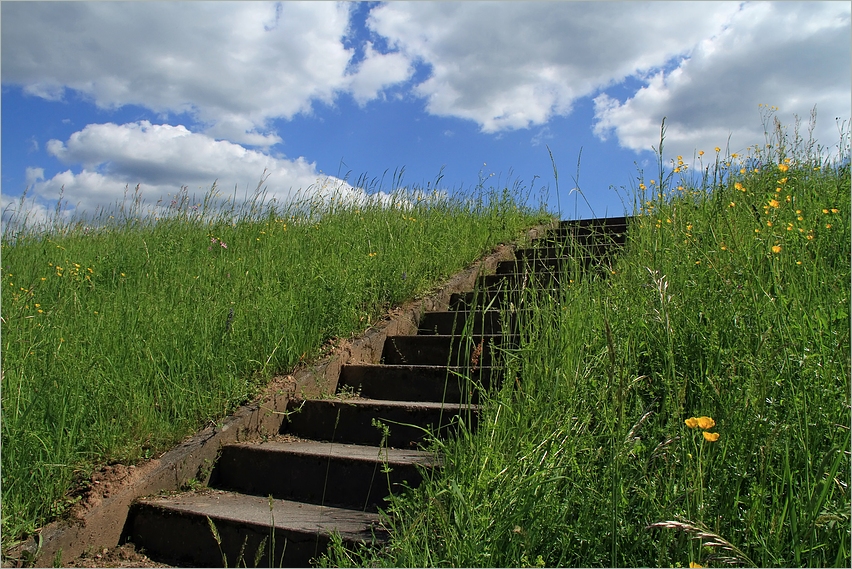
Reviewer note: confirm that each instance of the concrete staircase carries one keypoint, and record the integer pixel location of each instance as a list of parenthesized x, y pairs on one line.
[(337, 459)]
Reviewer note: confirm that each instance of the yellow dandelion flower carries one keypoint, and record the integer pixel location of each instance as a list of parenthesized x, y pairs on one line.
[(710, 437), (835, 210), (739, 187), (642, 187), (776, 248), (743, 170), (718, 149), (732, 204), (782, 181), (774, 203), (783, 167), (701, 153)]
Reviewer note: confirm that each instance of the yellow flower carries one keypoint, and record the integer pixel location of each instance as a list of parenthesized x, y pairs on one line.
[(774, 203), (835, 210), (776, 248), (782, 181), (701, 153), (642, 187), (692, 422), (732, 204), (718, 149), (742, 170), (739, 186), (706, 422), (783, 167), (711, 437), (694, 565)]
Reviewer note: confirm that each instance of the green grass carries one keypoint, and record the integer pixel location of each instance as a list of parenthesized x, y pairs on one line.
[(124, 334), (730, 301)]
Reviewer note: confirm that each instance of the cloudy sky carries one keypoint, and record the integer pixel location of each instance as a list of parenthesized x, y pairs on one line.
[(98, 96)]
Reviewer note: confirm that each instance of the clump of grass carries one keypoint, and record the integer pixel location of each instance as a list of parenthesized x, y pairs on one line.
[(693, 408), (125, 333)]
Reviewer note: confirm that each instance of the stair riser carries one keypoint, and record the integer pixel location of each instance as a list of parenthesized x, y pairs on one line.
[(404, 383), (441, 350), (449, 323), (339, 422), (328, 481)]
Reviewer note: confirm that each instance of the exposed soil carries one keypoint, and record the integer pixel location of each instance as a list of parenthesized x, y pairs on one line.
[(120, 556)]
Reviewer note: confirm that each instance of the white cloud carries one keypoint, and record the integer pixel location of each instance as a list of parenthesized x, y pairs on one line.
[(162, 159), (378, 71), (514, 65), (793, 56), (233, 65)]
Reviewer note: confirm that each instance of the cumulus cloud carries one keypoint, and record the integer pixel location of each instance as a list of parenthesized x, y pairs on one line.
[(164, 158), (515, 65), (791, 56), (234, 66)]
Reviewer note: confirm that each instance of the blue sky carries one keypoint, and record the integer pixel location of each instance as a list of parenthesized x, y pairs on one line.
[(98, 96)]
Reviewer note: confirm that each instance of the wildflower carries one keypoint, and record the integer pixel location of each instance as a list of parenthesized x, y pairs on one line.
[(706, 422), (694, 565), (774, 203), (782, 181), (718, 149), (835, 210), (824, 210), (776, 248), (783, 167), (642, 187), (692, 422), (710, 437), (739, 187), (828, 226), (743, 170), (223, 244), (701, 153)]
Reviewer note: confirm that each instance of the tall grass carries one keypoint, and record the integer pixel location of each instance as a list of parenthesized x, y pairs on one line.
[(693, 408), (124, 334)]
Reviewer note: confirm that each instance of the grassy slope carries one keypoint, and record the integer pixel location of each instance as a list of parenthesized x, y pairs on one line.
[(731, 301), (119, 342)]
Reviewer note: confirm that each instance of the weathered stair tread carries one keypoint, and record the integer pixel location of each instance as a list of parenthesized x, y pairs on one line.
[(351, 420), (353, 525), (332, 474), (393, 456), (176, 529), (418, 382)]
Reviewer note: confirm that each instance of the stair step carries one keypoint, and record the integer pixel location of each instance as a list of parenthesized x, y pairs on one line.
[(562, 249), (331, 474), (475, 350), (176, 529), (454, 322), (495, 299), (352, 420), (418, 383)]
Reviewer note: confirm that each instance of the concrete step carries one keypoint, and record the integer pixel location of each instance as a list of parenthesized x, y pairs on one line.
[(331, 474), (457, 322), (175, 529), (352, 420), (418, 383), (475, 350)]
